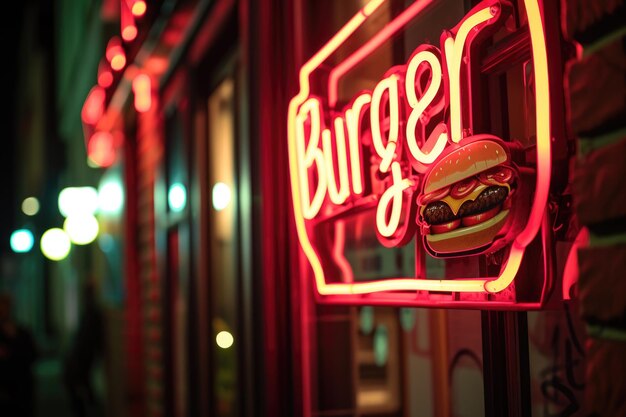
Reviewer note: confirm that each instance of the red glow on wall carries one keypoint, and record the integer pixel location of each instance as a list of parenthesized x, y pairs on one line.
[(101, 149), (415, 166), (156, 65), (142, 91), (138, 7), (93, 108), (115, 54)]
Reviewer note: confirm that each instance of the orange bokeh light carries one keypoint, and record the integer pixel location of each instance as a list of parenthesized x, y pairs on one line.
[(129, 33), (118, 62), (139, 8), (127, 22), (115, 54), (101, 149), (142, 90)]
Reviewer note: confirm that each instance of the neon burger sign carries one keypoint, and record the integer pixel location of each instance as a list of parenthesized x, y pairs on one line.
[(408, 151)]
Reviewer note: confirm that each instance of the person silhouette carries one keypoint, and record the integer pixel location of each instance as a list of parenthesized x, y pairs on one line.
[(84, 351), (17, 355)]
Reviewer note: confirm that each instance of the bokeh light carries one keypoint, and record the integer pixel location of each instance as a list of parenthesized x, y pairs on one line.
[(30, 206), (22, 241), (93, 108), (78, 200), (82, 228), (224, 339), (366, 319), (55, 244), (129, 33), (115, 54), (381, 345), (177, 197), (106, 242), (221, 196), (142, 90), (110, 197), (101, 149), (105, 76), (139, 8)]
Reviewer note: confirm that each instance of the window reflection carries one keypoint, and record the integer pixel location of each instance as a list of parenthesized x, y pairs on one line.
[(224, 258)]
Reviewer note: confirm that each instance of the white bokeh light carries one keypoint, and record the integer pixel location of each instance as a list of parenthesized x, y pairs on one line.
[(224, 339), (74, 200), (177, 197), (55, 244), (81, 228), (110, 197), (221, 196)]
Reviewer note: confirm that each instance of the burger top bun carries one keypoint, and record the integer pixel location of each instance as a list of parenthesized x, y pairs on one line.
[(463, 162)]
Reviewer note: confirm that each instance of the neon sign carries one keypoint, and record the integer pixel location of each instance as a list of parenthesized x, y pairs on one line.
[(408, 152)]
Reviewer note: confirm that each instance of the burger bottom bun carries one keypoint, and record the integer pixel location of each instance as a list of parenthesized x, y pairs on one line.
[(468, 238)]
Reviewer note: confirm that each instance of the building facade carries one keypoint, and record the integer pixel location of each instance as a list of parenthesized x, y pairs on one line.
[(212, 299)]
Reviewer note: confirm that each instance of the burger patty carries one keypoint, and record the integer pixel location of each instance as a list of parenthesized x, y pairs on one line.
[(488, 199), (439, 212)]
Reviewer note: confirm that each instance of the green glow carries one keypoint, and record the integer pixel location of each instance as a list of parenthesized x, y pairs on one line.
[(366, 319), (22, 241), (177, 197), (381, 345)]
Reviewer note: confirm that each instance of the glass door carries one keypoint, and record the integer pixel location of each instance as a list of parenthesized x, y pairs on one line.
[(222, 246), (177, 302)]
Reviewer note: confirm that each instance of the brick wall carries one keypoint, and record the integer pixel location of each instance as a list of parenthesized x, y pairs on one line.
[(596, 98)]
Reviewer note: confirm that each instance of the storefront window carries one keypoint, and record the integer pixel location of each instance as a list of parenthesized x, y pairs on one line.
[(177, 285), (557, 362), (418, 362), (428, 362), (223, 245)]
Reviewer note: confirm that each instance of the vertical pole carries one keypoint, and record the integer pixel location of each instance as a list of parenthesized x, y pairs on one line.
[(440, 373), (505, 364)]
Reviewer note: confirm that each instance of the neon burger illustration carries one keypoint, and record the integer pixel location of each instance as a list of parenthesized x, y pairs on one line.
[(405, 163), (466, 198)]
